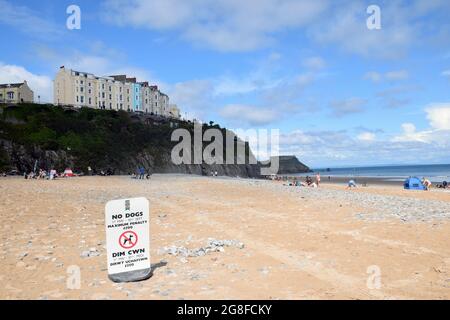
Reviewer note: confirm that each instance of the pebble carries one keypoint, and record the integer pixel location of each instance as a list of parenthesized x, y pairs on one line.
[(264, 270), (92, 252), (23, 255), (213, 245)]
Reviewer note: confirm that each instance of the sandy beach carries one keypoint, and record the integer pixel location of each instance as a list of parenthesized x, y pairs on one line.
[(285, 242)]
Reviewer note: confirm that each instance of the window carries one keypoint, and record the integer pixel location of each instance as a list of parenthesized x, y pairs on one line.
[(77, 99), (109, 88), (89, 91), (120, 98), (82, 99), (103, 95), (81, 89), (103, 86), (110, 97), (10, 95), (82, 82), (90, 100), (89, 84)]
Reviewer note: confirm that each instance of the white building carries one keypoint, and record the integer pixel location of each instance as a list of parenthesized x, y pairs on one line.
[(82, 89)]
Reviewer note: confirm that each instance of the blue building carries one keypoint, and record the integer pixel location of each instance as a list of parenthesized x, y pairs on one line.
[(137, 103)]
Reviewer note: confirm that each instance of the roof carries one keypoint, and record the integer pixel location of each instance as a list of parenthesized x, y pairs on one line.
[(11, 85)]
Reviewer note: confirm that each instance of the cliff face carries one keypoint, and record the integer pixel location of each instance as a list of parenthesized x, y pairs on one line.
[(22, 159), (108, 141), (290, 165)]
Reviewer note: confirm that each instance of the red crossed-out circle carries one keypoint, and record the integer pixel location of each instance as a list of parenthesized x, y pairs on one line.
[(128, 239)]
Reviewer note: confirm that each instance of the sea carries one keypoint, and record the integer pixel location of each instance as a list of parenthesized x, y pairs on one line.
[(434, 172)]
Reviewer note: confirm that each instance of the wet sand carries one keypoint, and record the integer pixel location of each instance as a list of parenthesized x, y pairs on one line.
[(299, 243)]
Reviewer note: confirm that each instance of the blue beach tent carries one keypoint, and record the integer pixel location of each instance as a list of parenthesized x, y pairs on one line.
[(414, 183)]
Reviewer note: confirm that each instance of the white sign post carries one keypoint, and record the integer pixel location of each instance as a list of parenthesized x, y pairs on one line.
[(128, 239)]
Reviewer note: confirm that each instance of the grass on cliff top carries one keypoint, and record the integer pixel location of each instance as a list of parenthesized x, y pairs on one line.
[(89, 135)]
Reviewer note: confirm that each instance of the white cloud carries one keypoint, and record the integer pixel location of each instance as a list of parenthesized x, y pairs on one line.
[(438, 115), (395, 75), (41, 85), (339, 148), (28, 22), (366, 136), (446, 73), (411, 135), (373, 76), (397, 96), (409, 128), (194, 97), (315, 63), (229, 85), (235, 25), (347, 29), (249, 114), (226, 25), (349, 106)]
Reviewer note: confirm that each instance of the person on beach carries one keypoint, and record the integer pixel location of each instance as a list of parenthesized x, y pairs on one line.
[(52, 174), (141, 173), (318, 179), (426, 183), (351, 184)]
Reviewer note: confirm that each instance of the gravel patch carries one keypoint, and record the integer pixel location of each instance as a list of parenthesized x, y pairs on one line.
[(379, 207), (213, 245)]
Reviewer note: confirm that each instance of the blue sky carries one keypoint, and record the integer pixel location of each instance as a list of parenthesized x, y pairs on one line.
[(339, 93)]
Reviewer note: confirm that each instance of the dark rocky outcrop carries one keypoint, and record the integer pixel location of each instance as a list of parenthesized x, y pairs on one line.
[(290, 165)]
